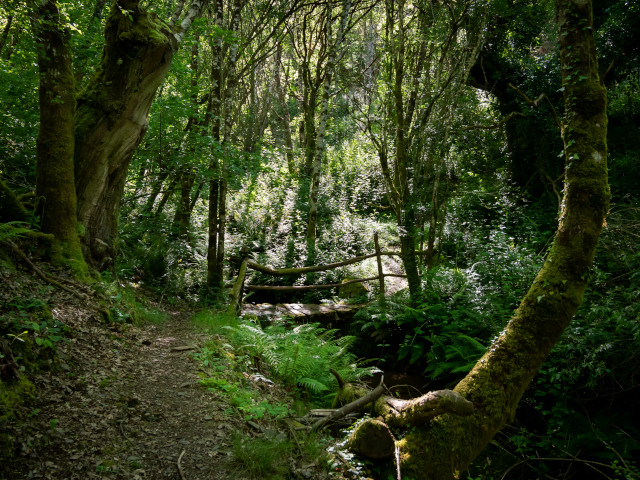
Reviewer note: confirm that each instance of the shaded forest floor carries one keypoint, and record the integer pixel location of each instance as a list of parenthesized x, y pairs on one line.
[(124, 401)]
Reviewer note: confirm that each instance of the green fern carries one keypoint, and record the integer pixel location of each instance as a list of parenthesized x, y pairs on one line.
[(453, 353), (302, 356)]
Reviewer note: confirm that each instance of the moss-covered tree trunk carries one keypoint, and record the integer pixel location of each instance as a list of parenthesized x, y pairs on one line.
[(112, 115), (442, 449), (408, 253), (55, 142)]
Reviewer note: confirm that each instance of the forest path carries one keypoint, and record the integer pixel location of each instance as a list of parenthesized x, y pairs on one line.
[(126, 404)]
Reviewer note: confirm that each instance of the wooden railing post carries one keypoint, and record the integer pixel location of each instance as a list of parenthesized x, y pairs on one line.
[(236, 293), (380, 270)]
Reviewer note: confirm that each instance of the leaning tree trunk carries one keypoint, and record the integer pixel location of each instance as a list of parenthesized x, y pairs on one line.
[(442, 449), (112, 115), (54, 171)]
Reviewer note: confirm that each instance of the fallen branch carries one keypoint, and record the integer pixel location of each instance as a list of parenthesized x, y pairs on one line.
[(372, 396)]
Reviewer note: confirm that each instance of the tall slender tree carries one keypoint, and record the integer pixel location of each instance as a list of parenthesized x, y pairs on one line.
[(427, 50)]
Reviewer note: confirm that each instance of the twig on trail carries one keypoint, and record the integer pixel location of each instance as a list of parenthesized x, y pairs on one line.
[(351, 407), (179, 466), (120, 422)]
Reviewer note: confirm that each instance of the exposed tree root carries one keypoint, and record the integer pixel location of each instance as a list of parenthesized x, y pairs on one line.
[(57, 281)]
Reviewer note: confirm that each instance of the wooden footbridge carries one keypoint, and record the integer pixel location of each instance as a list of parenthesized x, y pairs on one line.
[(328, 315), (296, 310)]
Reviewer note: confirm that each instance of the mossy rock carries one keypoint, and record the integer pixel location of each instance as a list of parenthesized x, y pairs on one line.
[(372, 439)]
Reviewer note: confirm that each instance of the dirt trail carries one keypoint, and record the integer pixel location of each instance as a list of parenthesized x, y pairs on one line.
[(126, 404)]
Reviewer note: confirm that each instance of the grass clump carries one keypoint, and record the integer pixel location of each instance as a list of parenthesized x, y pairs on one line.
[(262, 458)]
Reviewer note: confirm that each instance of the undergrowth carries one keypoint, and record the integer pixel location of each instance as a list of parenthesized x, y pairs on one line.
[(240, 364), (299, 357)]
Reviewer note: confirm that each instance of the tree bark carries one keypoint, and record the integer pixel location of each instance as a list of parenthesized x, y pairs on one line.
[(112, 115), (442, 449), (224, 80), (214, 279), (285, 118), (55, 142), (409, 260)]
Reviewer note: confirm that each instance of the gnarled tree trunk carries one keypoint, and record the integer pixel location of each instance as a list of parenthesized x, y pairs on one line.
[(112, 115)]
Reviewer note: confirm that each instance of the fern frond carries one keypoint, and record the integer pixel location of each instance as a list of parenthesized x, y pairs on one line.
[(312, 385)]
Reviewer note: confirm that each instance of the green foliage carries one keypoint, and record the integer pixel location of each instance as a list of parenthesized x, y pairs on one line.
[(152, 255), (31, 332), (13, 230), (303, 355), (243, 399), (260, 458), (462, 309)]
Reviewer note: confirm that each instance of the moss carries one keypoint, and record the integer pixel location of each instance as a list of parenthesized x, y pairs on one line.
[(149, 28), (347, 394), (14, 394), (372, 439)]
